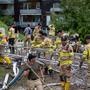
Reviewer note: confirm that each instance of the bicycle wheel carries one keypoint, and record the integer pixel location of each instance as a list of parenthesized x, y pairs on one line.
[(16, 78)]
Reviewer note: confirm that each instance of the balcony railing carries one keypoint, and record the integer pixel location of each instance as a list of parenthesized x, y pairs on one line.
[(6, 1), (22, 0), (24, 24), (52, 0), (30, 11), (56, 10), (8, 12)]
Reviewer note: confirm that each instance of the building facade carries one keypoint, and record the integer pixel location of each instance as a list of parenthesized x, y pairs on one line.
[(30, 11)]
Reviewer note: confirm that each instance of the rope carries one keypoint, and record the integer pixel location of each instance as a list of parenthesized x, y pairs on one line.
[(38, 76)]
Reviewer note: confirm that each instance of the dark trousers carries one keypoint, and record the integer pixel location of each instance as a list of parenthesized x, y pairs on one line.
[(11, 43)]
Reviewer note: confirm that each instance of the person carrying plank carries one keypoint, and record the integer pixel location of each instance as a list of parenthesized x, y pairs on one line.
[(65, 61)]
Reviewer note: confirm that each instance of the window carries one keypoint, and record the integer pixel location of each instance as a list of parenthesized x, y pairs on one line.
[(38, 5), (11, 7), (31, 5), (31, 18), (3, 6), (21, 6), (25, 6), (56, 5)]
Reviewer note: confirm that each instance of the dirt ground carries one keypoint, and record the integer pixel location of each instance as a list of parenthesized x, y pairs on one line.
[(21, 84)]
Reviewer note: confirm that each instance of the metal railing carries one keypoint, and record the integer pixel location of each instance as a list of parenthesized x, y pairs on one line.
[(8, 11), (24, 24), (30, 11), (6, 1)]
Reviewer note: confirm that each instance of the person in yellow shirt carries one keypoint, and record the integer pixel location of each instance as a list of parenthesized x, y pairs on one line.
[(3, 58), (1, 38), (12, 37), (58, 39), (36, 42), (44, 42), (36, 30), (86, 53), (65, 60), (57, 42), (51, 30)]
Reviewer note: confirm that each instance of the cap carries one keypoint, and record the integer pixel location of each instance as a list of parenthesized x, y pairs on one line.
[(30, 56)]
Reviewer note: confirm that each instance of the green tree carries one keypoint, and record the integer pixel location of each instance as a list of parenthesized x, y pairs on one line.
[(76, 16), (7, 19), (2, 25)]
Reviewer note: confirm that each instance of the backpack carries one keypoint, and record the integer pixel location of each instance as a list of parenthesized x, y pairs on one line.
[(29, 30)]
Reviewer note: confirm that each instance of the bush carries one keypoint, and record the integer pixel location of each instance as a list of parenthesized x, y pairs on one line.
[(8, 20), (2, 25)]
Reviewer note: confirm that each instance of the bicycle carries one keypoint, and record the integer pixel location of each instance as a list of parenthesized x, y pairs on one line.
[(11, 79)]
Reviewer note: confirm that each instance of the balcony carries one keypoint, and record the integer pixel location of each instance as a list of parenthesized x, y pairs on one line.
[(22, 0), (24, 24), (51, 0), (8, 12), (30, 11), (6, 1), (56, 10)]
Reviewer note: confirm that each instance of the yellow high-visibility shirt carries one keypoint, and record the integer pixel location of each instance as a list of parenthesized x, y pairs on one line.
[(11, 33), (36, 42), (86, 53), (65, 57), (36, 31), (47, 43), (6, 58), (52, 33), (57, 42), (52, 30)]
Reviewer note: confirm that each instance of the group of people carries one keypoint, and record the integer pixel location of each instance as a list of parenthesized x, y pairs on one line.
[(7, 41), (66, 45)]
